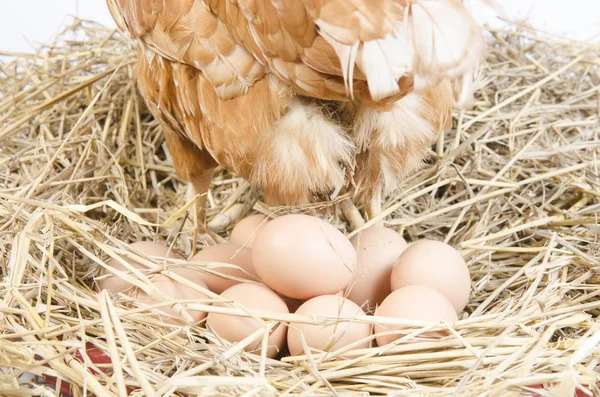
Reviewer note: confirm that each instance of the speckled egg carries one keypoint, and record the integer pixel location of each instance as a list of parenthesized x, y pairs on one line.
[(378, 249)]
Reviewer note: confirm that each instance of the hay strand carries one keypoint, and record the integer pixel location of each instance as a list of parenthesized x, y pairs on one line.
[(85, 170)]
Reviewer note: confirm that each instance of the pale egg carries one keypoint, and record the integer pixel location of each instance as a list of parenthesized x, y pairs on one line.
[(413, 302), (174, 290), (155, 251), (328, 337), (257, 299), (247, 229), (436, 265), (301, 257), (377, 249), (220, 277)]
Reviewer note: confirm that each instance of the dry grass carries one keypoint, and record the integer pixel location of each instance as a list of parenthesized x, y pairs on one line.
[(515, 186)]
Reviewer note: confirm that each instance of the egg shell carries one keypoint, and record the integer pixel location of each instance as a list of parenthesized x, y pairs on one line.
[(378, 249), (256, 298), (328, 337), (175, 291), (301, 257), (413, 302), (155, 251), (171, 288), (245, 231), (216, 277), (436, 265)]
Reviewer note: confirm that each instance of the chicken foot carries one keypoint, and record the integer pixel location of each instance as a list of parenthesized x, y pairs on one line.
[(201, 183), (351, 214), (196, 167)]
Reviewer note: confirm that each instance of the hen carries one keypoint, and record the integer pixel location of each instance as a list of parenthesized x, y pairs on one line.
[(303, 98)]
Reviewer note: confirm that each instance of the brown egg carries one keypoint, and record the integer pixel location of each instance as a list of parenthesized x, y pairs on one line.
[(436, 265), (378, 249), (413, 302), (301, 256), (257, 299), (328, 337), (171, 288), (217, 277), (247, 229), (157, 252)]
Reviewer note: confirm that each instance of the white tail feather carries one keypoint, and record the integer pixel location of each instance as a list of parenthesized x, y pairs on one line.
[(347, 55), (446, 39), (463, 90), (384, 62), (437, 40)]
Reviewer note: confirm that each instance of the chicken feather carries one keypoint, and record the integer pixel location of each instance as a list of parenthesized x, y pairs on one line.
[(251, 84)]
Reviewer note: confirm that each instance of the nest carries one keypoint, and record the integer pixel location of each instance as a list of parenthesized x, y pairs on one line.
[(515, 186)]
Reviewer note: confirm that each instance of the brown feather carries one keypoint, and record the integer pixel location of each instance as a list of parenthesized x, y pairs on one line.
[(241, 83)]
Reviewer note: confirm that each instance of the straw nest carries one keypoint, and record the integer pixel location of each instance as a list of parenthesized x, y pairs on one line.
[(515, 186)]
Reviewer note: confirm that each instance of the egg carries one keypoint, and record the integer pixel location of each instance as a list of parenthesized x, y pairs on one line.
[(301, 257), (166, 285), (413, 302), (257, 299), (247, 229), (114, 283), (328, 337), (378, 249), (436, 265), (217, 277)]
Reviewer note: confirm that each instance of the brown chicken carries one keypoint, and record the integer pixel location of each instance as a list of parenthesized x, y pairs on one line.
[(303, 98)]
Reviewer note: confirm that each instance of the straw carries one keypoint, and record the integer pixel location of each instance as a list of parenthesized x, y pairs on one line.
[(85, 170)]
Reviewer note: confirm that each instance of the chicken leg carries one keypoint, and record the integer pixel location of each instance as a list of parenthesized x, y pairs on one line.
[(199, 185), (351, 214), (196, 167), (374, 206), (395, 142)]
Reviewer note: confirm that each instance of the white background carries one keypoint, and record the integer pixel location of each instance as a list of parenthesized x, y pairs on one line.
[(26, 22)]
